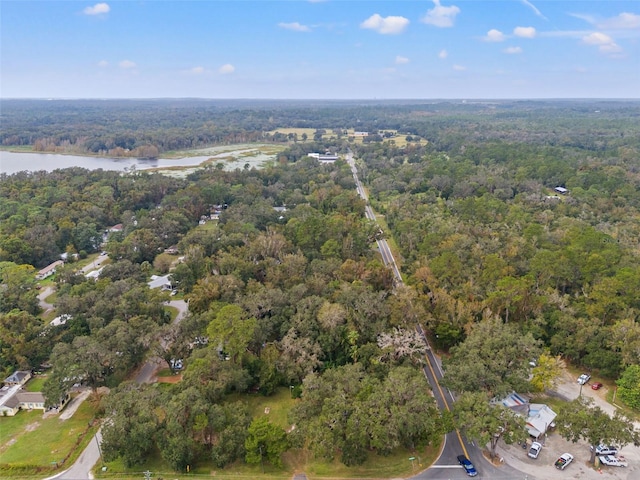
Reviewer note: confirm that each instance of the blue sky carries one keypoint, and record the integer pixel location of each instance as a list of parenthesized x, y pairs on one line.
[(333, 49)]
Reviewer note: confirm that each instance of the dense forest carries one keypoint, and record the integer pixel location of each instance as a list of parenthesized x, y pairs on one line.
[(298, 296)]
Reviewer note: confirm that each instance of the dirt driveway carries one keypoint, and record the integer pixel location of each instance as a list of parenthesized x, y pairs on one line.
[(542, 468)]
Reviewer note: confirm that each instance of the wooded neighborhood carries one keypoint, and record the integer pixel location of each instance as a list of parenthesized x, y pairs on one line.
[(289, 300)]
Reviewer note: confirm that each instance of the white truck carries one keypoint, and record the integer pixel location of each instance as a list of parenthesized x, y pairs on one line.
[(564, 460)]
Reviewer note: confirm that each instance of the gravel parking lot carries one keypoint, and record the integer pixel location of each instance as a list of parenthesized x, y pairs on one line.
[(542, 468)]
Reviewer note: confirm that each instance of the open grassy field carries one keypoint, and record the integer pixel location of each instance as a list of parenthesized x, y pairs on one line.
[(398, 140), (28, 439)]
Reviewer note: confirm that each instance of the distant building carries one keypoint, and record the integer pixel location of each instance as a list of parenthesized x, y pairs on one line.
[(61, 320), (93, 275), (360, 134), (324, 157), (49, 270), (561, 190), (160, 282)]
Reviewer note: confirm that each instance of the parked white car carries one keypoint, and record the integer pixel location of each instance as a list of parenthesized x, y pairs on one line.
[(535, 450), (605, 450), (612, 461), (584, 378)]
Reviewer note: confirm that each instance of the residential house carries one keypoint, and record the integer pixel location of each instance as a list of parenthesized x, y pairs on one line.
[(163, 282), (49, 270), (94, 275), (19, 377), (60, 320), (13, 398), (539, 417), (327, 157)]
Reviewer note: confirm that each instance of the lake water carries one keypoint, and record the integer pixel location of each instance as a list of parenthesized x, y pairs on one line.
[(13, 162)]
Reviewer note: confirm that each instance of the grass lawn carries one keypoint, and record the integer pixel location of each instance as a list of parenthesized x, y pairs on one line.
[(28, 439), (35, 383), (52, 298), (173, 311), (278, 404)]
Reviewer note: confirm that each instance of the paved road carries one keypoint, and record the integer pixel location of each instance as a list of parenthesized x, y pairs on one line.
[(42, 295), (446, 466), (81, 470)]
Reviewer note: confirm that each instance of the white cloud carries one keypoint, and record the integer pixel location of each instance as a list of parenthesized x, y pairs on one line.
[(494, 35), (103, 63), (533, 7), (459, 68), (127, 64), (401, 60), (440, 16), (524, 32), (226, 69), (443, 54), (197, 70), (385, 25), (97, 9), (597, 38), (512, 50), (610, 48), (603, 41), (294, 26), (624, 21)]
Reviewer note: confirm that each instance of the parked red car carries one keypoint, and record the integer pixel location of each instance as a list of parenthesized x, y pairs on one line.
[(596, 385)]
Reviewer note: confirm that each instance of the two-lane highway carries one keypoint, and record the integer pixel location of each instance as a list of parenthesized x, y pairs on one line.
[(446, 466)]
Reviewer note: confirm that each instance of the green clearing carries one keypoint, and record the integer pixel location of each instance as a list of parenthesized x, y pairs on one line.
[(173, 311), (28, 439), (278, 404), (297, 131), (36, 383)]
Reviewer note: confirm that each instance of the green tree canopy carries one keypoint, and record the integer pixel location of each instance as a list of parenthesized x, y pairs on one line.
[(494, 358)]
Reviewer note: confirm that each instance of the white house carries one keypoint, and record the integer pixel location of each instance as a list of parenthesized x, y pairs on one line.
[(163, 282), (49, 270), (324, 157)]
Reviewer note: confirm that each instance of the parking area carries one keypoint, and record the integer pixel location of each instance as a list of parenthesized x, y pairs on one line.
[(543, 468)]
